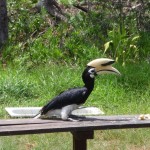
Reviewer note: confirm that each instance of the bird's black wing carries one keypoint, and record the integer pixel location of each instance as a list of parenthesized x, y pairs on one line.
[(71, 96)]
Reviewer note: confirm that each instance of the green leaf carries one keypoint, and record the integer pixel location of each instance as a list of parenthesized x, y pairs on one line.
[(107, 45), (135, 38)]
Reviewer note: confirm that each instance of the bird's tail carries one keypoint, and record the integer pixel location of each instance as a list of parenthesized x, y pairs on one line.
[(37, 116)]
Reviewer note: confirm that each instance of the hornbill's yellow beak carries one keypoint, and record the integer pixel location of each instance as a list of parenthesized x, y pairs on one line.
[(103, 65)]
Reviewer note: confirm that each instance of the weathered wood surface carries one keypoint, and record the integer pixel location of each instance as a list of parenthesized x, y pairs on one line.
[(36, 126), (80, 139)]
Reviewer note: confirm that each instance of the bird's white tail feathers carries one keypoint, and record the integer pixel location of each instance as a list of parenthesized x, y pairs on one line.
[(37, 116)]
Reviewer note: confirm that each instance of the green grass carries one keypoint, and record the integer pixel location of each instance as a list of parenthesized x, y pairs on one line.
[(126, 94)]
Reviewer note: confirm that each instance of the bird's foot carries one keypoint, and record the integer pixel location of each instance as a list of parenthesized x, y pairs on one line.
[(76, 118), (37, 116)]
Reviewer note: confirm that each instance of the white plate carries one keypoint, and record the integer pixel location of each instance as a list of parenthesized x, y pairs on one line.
[(87, 111), (32, 111), (22, 111)]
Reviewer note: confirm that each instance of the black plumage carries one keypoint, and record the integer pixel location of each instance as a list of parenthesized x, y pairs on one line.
[(73, 96)]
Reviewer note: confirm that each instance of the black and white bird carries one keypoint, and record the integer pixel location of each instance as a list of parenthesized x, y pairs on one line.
[(67, 101)]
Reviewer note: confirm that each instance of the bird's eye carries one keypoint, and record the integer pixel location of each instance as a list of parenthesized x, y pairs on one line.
[(91, 71)]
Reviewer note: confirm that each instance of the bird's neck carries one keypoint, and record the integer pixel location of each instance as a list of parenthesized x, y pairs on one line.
[(90, 85)]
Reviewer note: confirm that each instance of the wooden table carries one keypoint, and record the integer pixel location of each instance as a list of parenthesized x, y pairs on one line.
[(81, 130)]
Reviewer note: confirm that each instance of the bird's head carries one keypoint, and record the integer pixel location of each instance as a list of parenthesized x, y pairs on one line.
[(97, 67), (102, 66)]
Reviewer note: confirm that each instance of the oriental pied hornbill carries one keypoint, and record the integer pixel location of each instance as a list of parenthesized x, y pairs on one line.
[(67, 101)]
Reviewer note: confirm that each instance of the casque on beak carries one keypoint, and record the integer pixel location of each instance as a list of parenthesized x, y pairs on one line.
[(103, 66)]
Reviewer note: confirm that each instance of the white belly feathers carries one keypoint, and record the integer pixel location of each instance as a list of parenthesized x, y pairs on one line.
[(62, 113)]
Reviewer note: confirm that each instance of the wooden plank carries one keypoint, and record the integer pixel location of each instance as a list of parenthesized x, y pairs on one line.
[(7, 122), (90, 118), (67, 127), (35, 126)]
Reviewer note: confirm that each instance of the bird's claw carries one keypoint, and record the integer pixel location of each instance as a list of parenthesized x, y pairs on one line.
[(74, 120)]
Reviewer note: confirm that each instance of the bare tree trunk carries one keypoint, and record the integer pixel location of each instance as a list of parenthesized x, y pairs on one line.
[(3, 22), (53, 9)]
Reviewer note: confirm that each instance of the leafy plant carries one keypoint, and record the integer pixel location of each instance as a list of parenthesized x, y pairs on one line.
[(144, 45), (108, 26), (121, 45)]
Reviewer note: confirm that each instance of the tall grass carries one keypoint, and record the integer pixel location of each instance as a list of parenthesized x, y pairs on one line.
[(16, 86)]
